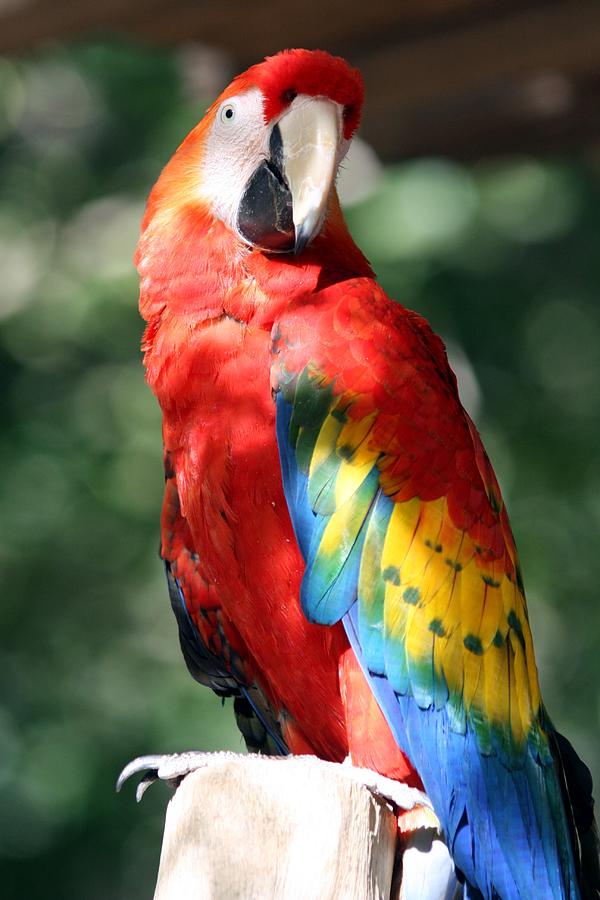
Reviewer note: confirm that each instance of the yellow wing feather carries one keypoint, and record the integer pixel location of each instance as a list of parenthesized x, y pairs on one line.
[(445, 604), (454, 617)]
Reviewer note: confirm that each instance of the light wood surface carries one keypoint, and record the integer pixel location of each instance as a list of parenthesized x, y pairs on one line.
[(257, 829)]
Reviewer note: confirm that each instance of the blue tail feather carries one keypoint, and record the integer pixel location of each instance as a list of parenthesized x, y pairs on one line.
[(505, 826)]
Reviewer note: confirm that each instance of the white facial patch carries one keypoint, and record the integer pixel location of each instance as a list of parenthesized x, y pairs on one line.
[(237, 144)]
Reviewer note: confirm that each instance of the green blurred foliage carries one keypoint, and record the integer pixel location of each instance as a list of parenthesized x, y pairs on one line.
[(502, 259)]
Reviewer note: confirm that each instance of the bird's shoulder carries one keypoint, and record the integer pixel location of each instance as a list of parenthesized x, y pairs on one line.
[(352, 326)]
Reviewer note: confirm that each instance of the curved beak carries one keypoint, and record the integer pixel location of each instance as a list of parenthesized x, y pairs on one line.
[(310, 138)]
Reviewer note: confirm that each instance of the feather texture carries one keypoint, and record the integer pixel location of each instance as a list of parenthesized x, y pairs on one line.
[(343, 559), (406, 539)]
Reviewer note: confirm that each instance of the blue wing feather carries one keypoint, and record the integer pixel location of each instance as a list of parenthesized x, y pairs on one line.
[(502, 837), (505, 824)]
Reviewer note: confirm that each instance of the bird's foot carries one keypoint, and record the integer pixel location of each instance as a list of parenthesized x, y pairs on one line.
[(399, 795), (170, 767), (173, 767)]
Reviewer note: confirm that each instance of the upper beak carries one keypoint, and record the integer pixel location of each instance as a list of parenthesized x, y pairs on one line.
[(310, 139)]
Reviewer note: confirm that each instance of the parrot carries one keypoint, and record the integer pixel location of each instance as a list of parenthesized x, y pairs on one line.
[(338, 552)]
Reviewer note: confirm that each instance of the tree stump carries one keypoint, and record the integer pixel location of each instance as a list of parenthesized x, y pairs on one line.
[(255, 828)]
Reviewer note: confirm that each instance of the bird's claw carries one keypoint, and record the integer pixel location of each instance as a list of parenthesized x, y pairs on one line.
[(173, 767), (169, 767), (396, 793)]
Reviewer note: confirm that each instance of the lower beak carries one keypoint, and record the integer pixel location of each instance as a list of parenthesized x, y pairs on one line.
[(284, 203), (310, 138)]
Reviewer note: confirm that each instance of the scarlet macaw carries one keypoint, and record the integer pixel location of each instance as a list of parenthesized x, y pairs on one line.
[(338, 551)]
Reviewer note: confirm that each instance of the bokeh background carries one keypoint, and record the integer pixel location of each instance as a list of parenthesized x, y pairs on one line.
[(475, 191)]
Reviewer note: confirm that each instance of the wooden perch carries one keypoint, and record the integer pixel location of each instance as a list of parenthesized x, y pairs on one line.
[(256, 828)]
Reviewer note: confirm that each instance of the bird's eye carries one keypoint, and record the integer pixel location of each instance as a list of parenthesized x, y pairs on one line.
[(227, 113)]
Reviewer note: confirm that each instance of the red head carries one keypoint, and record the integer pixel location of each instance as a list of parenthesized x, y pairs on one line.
[(313, 73), (264, 159)]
